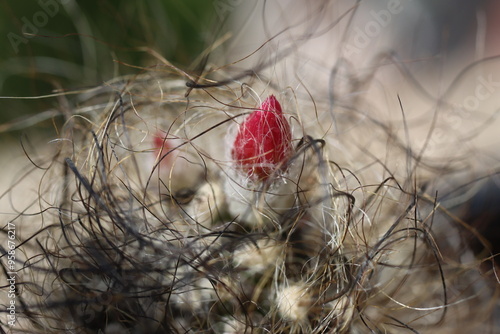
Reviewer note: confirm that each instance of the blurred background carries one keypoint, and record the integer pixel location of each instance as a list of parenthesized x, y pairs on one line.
[(72, 44)]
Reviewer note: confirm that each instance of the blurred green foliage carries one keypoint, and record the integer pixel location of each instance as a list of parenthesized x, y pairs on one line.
[(79, 43)]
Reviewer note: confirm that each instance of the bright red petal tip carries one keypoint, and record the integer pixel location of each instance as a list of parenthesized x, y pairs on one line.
[(263, 141)]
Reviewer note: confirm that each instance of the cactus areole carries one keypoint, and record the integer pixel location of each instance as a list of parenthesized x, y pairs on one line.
[(263, 142)]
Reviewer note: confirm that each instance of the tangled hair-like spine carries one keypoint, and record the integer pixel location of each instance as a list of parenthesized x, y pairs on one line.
[(136, 245)]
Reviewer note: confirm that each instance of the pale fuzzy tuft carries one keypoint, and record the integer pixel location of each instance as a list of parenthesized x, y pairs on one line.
[(259, 256), (294, 302)]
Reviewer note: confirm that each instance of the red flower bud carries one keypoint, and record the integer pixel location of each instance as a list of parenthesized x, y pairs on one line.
[(263, 141)]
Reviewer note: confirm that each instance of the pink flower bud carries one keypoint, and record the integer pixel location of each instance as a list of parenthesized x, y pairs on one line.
[(174, 163), (161, 148), (263, 141)]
